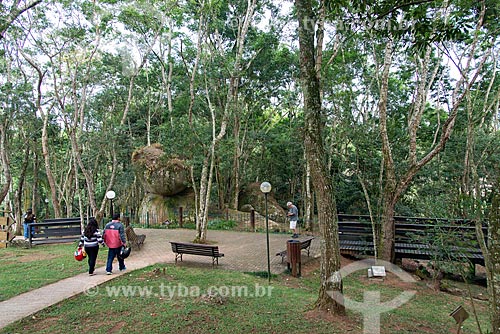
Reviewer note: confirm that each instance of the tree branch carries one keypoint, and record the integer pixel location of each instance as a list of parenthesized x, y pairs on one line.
[(14, 14), (418, 2)]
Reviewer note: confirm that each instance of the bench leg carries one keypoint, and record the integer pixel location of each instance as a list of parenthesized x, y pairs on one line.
[(178, 256)]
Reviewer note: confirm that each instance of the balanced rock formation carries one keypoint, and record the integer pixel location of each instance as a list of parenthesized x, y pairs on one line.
[(158, 173), (166, 183)]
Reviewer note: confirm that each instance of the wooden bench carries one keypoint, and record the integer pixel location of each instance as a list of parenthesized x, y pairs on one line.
[(135, 241), (55, 230), (180, 248), (304, 245), (415, 240)]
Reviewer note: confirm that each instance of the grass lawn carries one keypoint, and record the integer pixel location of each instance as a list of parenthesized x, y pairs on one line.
[(176, 299), (24, 269)]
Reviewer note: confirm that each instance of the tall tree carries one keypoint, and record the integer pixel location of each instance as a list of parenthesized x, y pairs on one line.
[(397, 182), (228, 107), (331, 279)]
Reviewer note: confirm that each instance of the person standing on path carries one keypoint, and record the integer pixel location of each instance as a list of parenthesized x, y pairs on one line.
[(29, 218), (90, 239), (114, 238), (293, 216)]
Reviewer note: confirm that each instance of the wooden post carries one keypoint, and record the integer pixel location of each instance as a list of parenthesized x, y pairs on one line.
[(252, 220), (4, 231), (180, 216)]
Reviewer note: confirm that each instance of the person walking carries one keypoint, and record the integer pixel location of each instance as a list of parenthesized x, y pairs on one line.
[(114, 237), (29, 218), (293, 216), (90, 240)]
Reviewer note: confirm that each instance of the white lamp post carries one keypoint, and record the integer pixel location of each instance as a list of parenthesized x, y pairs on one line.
[(46, 208), (110, 195), (265, 187)]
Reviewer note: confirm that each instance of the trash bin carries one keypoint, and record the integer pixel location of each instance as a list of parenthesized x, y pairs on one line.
[(293, 257)]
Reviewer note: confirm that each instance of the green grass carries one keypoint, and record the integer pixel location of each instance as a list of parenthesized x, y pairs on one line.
[(222, 224), (27, 269), (284, 308)]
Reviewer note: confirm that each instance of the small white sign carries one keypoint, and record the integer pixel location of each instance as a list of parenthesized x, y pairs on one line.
[(378, 271)]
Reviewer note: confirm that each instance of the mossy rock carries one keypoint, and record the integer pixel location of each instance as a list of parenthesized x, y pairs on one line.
[(159, 174), (252, 197), (156, 209)]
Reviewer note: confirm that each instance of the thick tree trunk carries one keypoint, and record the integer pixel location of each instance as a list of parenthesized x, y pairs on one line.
[(308, 199), (331, 280), (388, 231), (387, 237), (493, 262)]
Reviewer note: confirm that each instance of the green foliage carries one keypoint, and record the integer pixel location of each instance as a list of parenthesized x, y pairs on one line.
[(266, 122), (221, 224)]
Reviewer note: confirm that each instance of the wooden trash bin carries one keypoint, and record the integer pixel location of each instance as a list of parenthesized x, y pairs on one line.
[(293, 257)]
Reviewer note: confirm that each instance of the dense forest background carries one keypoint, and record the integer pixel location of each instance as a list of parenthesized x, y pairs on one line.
[(382, 108), (216, 83)]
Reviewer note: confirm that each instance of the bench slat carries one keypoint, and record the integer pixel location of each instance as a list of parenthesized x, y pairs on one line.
[(56, 230), (50, 241)]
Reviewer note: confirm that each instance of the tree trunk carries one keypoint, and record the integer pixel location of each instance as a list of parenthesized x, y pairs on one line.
[(204, 196), (331, 280), (4, 159), (18, 199), (389, 202), (235, 189), (34, 189), (308, 199), (493, 262)]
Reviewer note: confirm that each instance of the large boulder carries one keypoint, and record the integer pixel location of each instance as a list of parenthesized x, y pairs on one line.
[(156, 209), (158, 173), (251, 197)]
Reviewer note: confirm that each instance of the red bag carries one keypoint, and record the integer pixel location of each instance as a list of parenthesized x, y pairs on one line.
[(80, 254)]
